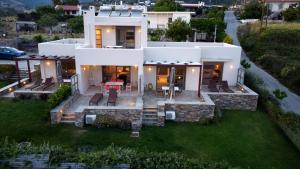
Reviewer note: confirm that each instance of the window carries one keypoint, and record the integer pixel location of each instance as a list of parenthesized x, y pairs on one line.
[(212, 71), (98, 37), (125, 36), (163, 76)]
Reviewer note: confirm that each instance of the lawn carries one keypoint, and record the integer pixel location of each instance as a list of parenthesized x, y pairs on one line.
[(4, 83), (240, 138)]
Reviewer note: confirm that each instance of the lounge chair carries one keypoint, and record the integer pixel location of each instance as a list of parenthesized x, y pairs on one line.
[(36, 84), (224, 86), (95, 99), (212, 86), (112, 97), (48, 83)]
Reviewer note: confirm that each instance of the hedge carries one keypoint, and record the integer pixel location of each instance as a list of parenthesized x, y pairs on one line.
[(109, 157), (61, 94), (7, 69)]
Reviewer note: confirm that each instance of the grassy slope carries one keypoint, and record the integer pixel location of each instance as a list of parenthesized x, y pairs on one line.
[(241, 138), (4, 83)]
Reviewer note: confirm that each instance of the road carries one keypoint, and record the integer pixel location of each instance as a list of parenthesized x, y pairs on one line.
[(290, 103)]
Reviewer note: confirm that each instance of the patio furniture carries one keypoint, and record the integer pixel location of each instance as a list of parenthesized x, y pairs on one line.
[(48, 83), (112, 97), (224, 86), (212, 86), (115, 85), (36, 84), (95, 99), (128, 87)]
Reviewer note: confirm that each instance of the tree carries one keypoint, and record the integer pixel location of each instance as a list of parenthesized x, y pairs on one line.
[(156, 35), (252, 10), (49, 21), (178, 30), (76, 24), (167, 5), (290, 14), (245, 64), (56, 2), (70, 2), (44, 10)]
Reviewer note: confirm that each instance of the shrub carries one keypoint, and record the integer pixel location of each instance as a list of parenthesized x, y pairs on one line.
[(38, 38), (245, 64), (228, 39), (44, 97), (106, 120), (56, 37), (61, 94), (290, 14), (7, 69), (279, 94)]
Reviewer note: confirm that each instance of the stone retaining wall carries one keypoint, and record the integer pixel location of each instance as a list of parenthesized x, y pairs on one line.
[(189, 111), (236, 101)]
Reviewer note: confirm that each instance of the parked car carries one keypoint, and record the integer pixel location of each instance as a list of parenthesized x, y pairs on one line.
[(10, 53)]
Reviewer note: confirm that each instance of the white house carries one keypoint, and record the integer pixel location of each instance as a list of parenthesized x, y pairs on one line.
[(281, 5), (115, 45), (73, 10), (163, 19)]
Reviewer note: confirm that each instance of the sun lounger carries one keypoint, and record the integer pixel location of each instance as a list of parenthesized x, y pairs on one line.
[(36, 84), (95, 99), (212, 86), (112, 97), (224, 86), (48, 83)]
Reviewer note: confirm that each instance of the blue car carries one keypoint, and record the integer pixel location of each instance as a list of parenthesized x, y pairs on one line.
[(10, 53)]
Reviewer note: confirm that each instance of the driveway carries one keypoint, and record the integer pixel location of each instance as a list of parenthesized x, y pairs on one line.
[(290, 103)]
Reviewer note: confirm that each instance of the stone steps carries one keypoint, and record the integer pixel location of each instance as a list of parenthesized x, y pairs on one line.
[(68, 118), (150, 117)]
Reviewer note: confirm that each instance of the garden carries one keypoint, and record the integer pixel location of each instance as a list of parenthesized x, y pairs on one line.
[(239, 138)]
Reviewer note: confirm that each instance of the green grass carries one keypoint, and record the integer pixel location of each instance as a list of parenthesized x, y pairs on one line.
[(4, 83), (241, 138)]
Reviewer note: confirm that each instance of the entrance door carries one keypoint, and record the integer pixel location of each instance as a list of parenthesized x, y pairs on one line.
[(163, 76)]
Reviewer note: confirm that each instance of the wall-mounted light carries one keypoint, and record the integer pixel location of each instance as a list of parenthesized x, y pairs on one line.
[(48, 63), (139, 30), (61, 110), (107, 30), (135, 66), (149, 69), (24, 83), (231, 66), (193, 70), (10, 89), (84, 68)]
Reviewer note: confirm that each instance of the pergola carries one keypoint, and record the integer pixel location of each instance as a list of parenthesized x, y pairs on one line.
[(28, 58)]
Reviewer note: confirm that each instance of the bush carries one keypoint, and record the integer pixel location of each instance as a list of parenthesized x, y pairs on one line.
[(7, 69), (38, 38), (228, 39), (290, 14), (61, 94), (56, 37), (279, 94)]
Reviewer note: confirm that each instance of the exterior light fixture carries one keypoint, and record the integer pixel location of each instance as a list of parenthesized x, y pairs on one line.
[(107, 30), (140, 31), (84, 68), (24, 83), (61, 111), (149, 69), (10, 89), (48, 63), (231, 66), (193, 70)]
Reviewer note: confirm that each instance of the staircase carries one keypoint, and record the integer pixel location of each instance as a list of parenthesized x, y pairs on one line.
[(150, 116), (68, 118)]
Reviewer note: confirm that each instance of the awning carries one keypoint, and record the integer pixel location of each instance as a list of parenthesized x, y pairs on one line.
[(171, 63)]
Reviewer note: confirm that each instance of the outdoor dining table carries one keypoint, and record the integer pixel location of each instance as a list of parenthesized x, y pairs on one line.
[(120, 84)]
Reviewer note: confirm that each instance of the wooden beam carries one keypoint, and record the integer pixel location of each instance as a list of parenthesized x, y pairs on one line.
[(18, 73), (29, 71)]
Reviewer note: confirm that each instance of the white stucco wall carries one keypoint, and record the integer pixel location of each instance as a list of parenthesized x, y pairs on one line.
[(192, 78), (280, 6), (56, 49), (161, 19), (48, 69), (150, 75)]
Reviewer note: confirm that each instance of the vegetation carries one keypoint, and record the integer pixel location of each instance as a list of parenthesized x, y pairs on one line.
[(208, 26), (156, 34), (48, 21), (178, 30), (167, 5), (4, 83), (245, 64), (252, 10), (241, 138), (276, 49), (228, 39), (38, 38), (279, 94), (7, 69), (291, 14), (288, 122), (76, 24), (61, 94)]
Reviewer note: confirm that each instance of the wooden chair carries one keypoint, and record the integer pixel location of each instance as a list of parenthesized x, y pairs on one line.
[(36, 84), (112, 97), (128, 87), (48, 83), (212, 86), (224, 86), (95, 99)]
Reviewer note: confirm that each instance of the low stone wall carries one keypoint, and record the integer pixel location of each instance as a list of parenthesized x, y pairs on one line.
[(31, 94), (236, 101), (12, 87), (132, 114), (189, 111)]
